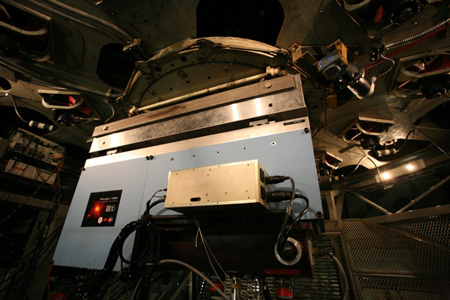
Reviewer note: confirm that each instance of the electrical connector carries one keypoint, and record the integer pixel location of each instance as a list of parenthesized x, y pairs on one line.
[(275, 179), (278, 196)]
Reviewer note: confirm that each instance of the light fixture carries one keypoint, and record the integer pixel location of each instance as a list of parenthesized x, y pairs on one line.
[(402, 170), (386, 175), (410, 167)]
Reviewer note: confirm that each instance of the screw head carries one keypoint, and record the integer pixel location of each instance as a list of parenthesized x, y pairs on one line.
[(306, 130)]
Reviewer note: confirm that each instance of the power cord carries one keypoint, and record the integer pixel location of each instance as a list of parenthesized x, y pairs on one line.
[(279, 244), (277, 196), (150, 252), (150, 205)]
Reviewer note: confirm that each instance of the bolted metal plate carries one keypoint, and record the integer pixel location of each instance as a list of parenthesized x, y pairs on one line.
[(281, 106), (197, 64)]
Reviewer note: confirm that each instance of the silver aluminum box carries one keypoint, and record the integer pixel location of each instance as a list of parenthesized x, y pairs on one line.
[(224, 186)]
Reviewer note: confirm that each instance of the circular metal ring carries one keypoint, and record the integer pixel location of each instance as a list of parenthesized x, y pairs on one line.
[(297, 257)]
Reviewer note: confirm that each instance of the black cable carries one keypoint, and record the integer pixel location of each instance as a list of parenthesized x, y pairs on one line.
[(405, 140), (275, 179), (276, 196), (127, 231), (434, 143), (357, 166), (279, 244), (152, 246), (297, 219), (117, 247), (153, 239), (149, 207), (147, 210)]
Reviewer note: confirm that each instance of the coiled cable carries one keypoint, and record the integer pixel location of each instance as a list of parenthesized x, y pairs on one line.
[(414, 38)]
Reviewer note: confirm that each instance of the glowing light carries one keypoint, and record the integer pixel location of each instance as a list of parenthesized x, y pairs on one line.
[(410, 167), (386, 175), (97, 208)]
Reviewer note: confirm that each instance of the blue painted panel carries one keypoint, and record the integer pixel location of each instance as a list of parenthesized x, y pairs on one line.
[(88, 247), (289, 153)]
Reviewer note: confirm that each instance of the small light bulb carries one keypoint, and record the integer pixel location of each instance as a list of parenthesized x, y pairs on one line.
[(409, 167), (386, 175)]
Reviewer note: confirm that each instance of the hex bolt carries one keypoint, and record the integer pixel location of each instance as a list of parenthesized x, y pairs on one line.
[(105, 128), (268, 85)]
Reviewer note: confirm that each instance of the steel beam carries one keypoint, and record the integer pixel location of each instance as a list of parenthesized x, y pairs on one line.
[(426, 193), (382, 209)]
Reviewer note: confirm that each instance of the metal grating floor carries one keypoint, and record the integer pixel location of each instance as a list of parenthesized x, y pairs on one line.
[(432, 228), (376, 287), (324, 285), (325, 282), (386, 264), (374, 248)]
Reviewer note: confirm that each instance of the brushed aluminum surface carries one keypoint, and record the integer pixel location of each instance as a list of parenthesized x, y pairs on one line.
[(232, 185), (275, 107)]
